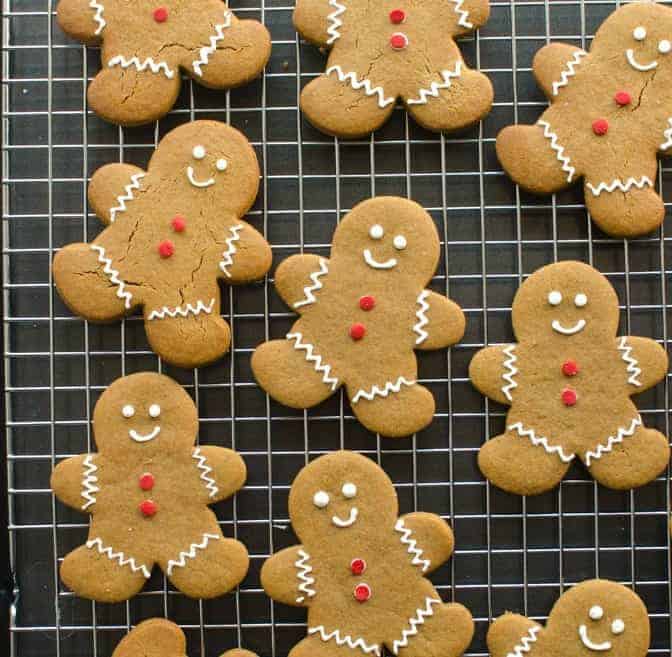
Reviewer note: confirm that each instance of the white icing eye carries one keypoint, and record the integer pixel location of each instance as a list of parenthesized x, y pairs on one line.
[(596, 612), (154, 410), (128, 411), (349, 490), (376, 232), (580, 300), (221, 164), (639, 33), (399, 242), (321, 499), (554, 298), (198, 152), (618, 626), (664, 46)]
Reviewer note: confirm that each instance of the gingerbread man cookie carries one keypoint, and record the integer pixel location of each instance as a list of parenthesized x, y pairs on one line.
[(568, 381), (147, 490), (361, 570), (146, 44), (363, 312), (609, 118), (595, 617), (172, 231), (382, 51)]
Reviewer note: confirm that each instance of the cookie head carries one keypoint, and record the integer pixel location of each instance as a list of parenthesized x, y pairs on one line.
[(339, 496), (143, 413), (568, 300)]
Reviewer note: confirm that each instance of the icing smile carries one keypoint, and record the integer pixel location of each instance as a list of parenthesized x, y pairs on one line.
[(630, 56), (352, 518), (577, 328), (372, 262), (197, 183), (144, 438), (599, 647)]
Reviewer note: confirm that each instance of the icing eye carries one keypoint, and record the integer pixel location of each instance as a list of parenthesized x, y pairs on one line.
[(618, 626), (198, 152), (376, 232), (639, 33), (154, 410), (399, 242), (221, 164), (554, 298), (349, 490), (321, 499), (664, 46), (596, 612), (580, 300), (128, 411)]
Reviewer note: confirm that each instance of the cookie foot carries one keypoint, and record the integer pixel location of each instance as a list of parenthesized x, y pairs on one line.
[(508, 632), (314, 646), (155, 637)]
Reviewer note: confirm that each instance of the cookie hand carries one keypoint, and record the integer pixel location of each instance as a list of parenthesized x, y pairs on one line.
[(77, 18), (71, 483), (288, 577), (311, 19), (243, 254), (222, 471), (554, 64), (299, 278), (111, 187), (492, 371), (433, 536), (470, 14), (645, 360), (440, 321), (513, 634)]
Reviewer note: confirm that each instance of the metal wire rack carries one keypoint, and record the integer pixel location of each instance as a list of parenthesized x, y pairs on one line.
[(512, 553)]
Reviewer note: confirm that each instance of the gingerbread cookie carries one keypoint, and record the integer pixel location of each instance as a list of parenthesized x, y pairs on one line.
[(568, 381), (361, 571), (146, 45), (610, 115), (597, 616), (382, 51), (147, 490), (172, 231), (363, 312)]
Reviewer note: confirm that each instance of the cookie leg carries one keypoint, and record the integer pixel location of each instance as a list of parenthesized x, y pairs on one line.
[(636, 461), (315, 646), (506, 634), (511, 462)]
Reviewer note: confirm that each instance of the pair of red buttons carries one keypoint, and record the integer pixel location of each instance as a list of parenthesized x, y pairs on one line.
[(569, 396), (166, 248), (148, 508), (362, 592)]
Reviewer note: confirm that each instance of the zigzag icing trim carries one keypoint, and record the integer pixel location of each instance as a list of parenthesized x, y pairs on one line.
[(205, 472), (613, 440), (418, 619), (364, 83), (314, 358), (632, 368), (384, 391), (148, 63), (617, 183), (421, 314), (433, 90), (89, 480), (569, 72), (206, 51), (182, 311), (113, 274), (560, 150), (511, 371), (412, 546), (119, 557), (98, 16), (181, 560), (462, 13), (541, 441), (303, 574), (317, 285), (668, 137), (128, 196), (346, 640), (231, 250), (335, 21), (525, 642)]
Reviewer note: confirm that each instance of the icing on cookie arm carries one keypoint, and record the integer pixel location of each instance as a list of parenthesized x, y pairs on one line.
[(644, 360), (439, 321), (318, 21), (243, 254), (82, 19), (493, 371), (555, 66), (288, 577), (433, 539), (469, 14), (299, 280), (221, 471), (73, 481), (113, 188)]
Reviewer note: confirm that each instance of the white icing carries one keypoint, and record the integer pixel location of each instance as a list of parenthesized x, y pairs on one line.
[(375, 391), (585, 639), (433, 90), (119, 557), (309, 297), (462, 13), (421, 314), (231, 250), (314, 358), (525, 643), (632, 368), (349, 490), (207, 51), (618, 626), (555, 298), (630, 56), (128, 411), (303, 575), (617, 438), (664, 46), (182, 311), (411, 545), (572, 330), (568, 72), (617, 183), (399, 242), (639, 33), (345, 640), (321, 499), (89, 481), (144, 438), (511, 371), (221, 164), (154, 410), (418, 619), (181, 560), (205, 469), (540, 441), (113, 275), (580, 300), (334, 21), (667, 134), (201, 184), (376, 232), (560, 150), (128, 196), (364, 83), (148, 63), (198, 152), (375, 264), (98, 16), (596, 612), (349, 521)]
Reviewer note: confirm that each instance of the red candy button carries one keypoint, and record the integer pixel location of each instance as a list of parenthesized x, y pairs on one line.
[(147, 481), (367, 303), (622, 98), (397, 16), (357, 566), (179, 223), (357, 331), (362, 592), (600, 127), (398, 41), (148, 508), (570, 368), (569, 397), (160, 14), (166, 248)]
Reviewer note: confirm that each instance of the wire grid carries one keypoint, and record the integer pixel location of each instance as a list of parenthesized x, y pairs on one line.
[(512, 553)]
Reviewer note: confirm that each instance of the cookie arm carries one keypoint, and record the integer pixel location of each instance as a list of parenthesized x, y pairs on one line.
[(244, 255), (427, 538), (470, 15), (493, 372), (82, 20), (112, 188), (287, 577), (440, 321), (221, 470), (555, 65), (646, 362), (317, 20), (299, 279), (74, 481), (513, 634)]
